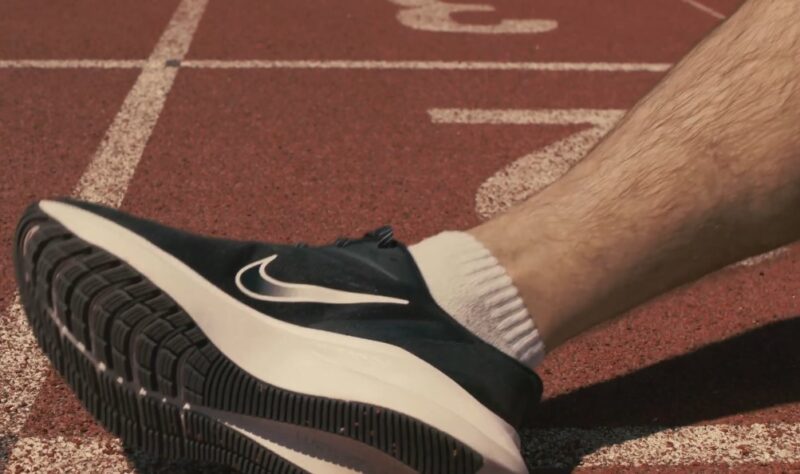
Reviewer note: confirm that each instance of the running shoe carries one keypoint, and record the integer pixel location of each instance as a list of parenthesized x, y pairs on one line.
[(265, 357)]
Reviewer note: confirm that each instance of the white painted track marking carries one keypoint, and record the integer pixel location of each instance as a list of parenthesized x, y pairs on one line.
[(22, 370), (107, 177), (710, 445), (436, 15), (58, 454), (598, 117), (531, 173), (427, 65), (105, 181), (341, 64), (72, 64), (706, 9)]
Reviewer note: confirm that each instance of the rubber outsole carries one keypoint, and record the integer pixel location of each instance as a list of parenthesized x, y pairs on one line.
[(142, 367)]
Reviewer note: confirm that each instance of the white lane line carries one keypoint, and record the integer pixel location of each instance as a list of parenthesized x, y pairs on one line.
[(426, 65), (706, 9), (107, 177), (72, 64), (158, 63), (22, 370), (711, 445), (58, 454), (525, 116), (105, 180)]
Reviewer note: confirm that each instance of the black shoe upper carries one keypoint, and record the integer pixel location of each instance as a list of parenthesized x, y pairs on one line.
[(376, 264)]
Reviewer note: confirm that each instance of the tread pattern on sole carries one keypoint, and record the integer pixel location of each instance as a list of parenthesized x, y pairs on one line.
[(135, 358)]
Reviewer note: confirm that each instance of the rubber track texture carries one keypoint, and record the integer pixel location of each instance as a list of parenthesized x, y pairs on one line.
[(135, 359)]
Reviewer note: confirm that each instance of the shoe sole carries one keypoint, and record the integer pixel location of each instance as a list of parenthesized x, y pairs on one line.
[(143, 368)]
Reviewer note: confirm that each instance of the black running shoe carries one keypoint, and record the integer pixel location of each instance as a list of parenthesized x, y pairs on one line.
[(265, 357)]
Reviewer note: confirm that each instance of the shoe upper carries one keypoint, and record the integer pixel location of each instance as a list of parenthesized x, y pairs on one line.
[(368, 288)]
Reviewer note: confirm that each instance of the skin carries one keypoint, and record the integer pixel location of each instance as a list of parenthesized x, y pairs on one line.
[(703, 172)]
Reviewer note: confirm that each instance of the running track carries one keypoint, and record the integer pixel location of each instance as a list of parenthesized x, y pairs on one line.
[(307, 120)]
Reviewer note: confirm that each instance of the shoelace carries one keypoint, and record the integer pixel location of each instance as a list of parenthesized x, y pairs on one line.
[(382, 236)]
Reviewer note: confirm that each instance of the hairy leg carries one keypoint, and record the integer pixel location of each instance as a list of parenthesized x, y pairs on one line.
[(704, 171)]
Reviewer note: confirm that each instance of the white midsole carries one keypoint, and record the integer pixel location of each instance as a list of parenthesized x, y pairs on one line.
[(305, 360), (310, 449)]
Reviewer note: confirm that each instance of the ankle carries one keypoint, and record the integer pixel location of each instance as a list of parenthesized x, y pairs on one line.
[(531, 264), (473, 287)]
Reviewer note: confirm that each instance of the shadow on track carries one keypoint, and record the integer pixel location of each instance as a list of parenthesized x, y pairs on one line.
[(750, 371)]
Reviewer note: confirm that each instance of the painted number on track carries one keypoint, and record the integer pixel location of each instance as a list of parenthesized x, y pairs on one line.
[(533, 172), (436, 15)]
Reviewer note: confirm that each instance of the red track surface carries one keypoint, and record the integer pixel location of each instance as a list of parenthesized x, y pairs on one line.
[(96, 29), (313, 154)]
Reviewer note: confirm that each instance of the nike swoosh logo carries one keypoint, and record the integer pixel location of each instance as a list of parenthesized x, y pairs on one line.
[(271, 289)]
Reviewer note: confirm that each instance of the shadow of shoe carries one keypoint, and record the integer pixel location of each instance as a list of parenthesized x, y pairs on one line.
[(750, 371)]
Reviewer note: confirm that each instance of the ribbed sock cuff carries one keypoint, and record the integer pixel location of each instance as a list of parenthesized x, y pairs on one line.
[(471, 285)]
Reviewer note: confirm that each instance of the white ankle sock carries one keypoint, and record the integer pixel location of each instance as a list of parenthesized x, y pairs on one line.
[(469, 283)]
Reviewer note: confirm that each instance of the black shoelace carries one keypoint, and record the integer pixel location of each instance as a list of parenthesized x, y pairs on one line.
[(382, 236)]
